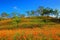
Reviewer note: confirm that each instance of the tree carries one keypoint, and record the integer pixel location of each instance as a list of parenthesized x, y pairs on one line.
[(22, 15), (14, 14), (16, 19), (4, 15), (56, 12), (28, 13), (40, 10), (44, 11), (47, 11), (32, 13)]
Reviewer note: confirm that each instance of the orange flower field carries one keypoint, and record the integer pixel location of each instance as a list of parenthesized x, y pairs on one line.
[(45, 33)]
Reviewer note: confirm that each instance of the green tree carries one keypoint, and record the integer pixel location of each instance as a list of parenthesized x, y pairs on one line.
[(56, 13), (16, 19), (4, 15), (32, 13), (22, 15), (44, 11), (40, 10), (29, 13), (47, 11)]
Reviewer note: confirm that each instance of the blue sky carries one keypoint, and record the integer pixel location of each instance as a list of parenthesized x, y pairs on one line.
[(23, 5)]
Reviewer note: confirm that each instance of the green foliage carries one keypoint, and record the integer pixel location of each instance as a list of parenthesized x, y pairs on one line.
[(56, 12), (32, 13), (4, 15), (36, 21), (28, 13), (22, 15), (15, 21)]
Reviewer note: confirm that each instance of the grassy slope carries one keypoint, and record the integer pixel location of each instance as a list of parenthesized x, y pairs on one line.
[(33, 21), (48, 31)]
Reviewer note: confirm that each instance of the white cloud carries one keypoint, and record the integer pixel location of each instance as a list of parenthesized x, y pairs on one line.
[(15, 7)]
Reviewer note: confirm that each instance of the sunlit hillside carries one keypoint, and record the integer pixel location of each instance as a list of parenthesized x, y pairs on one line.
[(29, 19)]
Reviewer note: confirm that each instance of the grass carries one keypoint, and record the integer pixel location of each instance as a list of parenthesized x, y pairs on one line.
[(25, 23), (28, 29)]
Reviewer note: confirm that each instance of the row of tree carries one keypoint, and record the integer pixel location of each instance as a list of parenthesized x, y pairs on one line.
[(41, 11)]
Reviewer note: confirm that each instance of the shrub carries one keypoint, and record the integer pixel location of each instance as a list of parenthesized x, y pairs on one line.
[(14, 23)]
